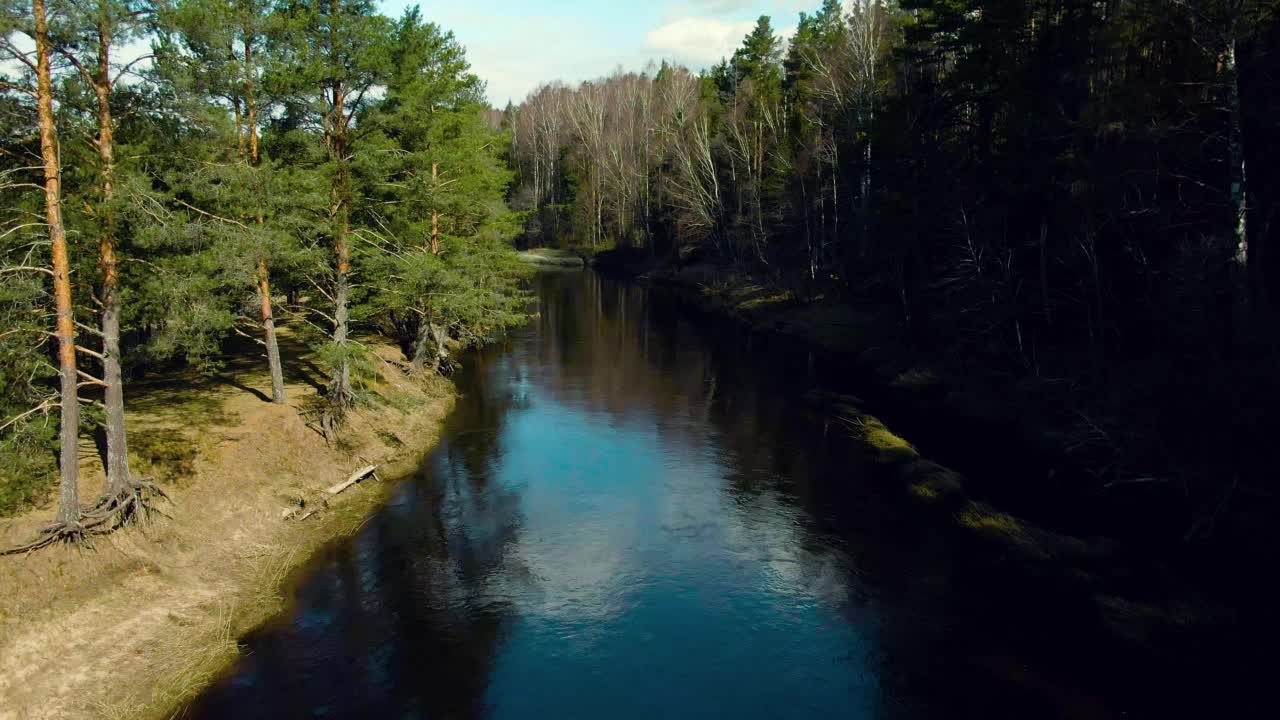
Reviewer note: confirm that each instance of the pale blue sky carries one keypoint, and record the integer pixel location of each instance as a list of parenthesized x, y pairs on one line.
[(517, 44)]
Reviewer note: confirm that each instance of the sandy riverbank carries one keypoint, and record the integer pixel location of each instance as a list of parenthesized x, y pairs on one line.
[(138, 625)]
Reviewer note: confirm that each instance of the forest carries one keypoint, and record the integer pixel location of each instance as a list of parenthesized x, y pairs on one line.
[(181, 176), (938, 361), (1069, 206)]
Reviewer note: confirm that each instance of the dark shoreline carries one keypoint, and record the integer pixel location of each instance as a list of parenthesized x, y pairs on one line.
[(1129, 601)]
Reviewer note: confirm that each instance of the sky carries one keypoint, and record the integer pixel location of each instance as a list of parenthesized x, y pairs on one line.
[(515, 45)]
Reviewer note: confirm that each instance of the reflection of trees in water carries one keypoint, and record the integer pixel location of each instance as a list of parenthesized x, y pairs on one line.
[(805, 503), (399, 622), (474, 428), (608, 349), (615, 348), (405, 620)]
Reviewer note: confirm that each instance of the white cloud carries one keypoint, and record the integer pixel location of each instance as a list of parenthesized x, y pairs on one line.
[(698, 40), (702, 41)]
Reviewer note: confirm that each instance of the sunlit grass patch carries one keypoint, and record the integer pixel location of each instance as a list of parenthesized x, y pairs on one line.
[(887, 445), (934, 484), (767, 300), (978, 516), (1027, 541), (168, 455)]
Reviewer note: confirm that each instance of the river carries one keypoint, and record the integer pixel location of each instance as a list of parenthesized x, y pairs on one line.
[(632, 514)]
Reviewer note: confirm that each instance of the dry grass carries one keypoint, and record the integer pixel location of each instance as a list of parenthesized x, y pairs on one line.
[(887, 446), (552, 257), (137, 626)]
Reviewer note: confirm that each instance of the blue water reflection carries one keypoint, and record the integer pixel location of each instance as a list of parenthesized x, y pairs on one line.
[(631, 516)]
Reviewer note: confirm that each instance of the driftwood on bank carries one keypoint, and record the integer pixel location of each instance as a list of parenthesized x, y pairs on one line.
[(357, 476), (305, 510)]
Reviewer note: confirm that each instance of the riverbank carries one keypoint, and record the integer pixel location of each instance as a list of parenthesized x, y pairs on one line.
[(551, 257), (139, 624), (1017, 506), (1035, 445)]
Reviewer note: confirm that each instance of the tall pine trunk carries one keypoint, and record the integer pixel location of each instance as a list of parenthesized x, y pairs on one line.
[(118, 477), (68, 489), (269, 333), (439, 334), (264, 275), (251, 107), (340, 384), (335, 138), (435, 213), (422, 351)]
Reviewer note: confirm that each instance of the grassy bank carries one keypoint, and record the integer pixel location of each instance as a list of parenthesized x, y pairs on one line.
[(141, 623), (551, 257)]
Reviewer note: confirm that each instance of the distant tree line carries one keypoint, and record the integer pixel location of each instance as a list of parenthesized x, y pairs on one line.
[(1075, 197), (310, 161)]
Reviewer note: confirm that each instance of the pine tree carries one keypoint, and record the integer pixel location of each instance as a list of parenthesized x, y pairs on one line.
[(759, 58), (88, 35), (232, 38), (336, 53), (447, 218), (68, 524)]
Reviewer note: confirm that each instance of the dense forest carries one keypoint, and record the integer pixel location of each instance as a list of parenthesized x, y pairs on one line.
[(305, 163), (1068, 206), (1071, 204), (943, 349)]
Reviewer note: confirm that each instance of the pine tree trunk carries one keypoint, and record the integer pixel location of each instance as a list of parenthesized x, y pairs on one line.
[(269, 333), (440, 336), (264, 275), (340, 395), (250, 105), (420, 344), (340, 385), (68, 490), (239, 118), (118, 476), (435, 215)]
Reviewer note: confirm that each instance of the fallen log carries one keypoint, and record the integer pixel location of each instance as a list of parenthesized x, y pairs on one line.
[(356, 477)]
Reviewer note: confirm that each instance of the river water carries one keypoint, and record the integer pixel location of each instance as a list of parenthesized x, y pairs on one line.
[(632, 514)]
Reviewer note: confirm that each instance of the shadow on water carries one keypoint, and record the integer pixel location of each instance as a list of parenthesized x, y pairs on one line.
[(630, 515)]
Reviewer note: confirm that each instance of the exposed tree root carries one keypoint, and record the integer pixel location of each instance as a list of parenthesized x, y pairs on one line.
[(60, 533), (337, 406), (133, 504), (330, 421)]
